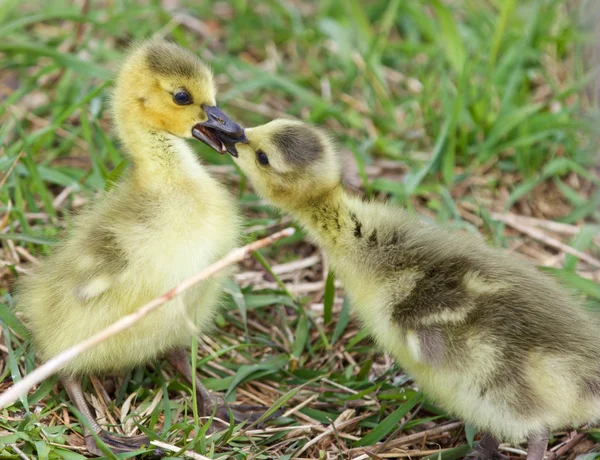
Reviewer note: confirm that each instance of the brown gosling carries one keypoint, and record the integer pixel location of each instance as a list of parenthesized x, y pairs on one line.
[(164, 221), (484, 334)]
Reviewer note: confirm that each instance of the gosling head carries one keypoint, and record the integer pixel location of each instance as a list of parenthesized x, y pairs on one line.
[(163, 87), (289, 162)]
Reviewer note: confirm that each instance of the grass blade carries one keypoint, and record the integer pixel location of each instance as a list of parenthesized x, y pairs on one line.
[(449, 37), (506, 9), (575, 281), (8, 317), (329, 297), (389, 424), (342, 322), (64, 60), (27, 238)]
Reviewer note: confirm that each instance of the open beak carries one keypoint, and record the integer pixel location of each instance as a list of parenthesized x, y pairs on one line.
[(219, 131)]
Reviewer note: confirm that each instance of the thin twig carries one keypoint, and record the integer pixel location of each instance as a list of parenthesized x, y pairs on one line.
[(549, 241), (59, 361), (296, 265), (406, 454), (11, 169), (296, 289), (568, 446), (512, 450), (330, 431), (19, 452), (303, 404), (411, 438), (557, 227), (171, 448), (261, 228), (61, 197)]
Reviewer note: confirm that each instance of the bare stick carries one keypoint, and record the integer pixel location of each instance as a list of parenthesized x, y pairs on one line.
[(10, 169), (329, 431), (59, 361), (537, 234), (411, 438), (19, 452), (172, 448), (557, 227), (568, 446)]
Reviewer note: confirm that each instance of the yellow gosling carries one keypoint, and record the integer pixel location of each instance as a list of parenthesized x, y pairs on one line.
[(486, 335), (164, 221)]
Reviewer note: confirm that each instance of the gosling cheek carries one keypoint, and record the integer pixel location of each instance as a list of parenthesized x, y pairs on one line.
[(185, 134)]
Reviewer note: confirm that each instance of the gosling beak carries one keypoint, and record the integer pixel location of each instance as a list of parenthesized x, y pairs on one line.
[(219, 131)]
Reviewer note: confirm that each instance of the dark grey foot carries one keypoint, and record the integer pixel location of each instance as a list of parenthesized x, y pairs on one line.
[(478, 455), (537, 445), (486, 449), (117, 444), (242, 413), (207, 402)]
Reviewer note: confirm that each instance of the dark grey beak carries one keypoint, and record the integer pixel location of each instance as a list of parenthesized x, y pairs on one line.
[(219, 132)]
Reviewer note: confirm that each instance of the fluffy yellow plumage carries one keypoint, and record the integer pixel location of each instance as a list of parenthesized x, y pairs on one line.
[(166, 220), (485, 334)]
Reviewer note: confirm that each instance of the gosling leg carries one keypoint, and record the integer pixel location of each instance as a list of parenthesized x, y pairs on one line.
[(537, 445), (179, 360), (206, 402), (486, 449), (118, 444)]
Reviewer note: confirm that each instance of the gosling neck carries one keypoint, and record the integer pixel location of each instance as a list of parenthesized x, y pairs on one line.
[(327, 217), (158, 156)]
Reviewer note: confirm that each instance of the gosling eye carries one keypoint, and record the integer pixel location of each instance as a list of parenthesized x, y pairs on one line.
[(182, 98), (262, 158)]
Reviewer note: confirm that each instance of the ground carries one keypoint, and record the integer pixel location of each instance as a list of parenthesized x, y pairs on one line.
[(478, 115)]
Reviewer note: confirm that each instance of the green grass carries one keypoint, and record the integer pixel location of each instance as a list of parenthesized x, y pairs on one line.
[(457, 109)]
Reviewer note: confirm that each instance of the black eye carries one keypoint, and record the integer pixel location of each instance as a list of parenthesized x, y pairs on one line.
[(182, 98), (262, 158)]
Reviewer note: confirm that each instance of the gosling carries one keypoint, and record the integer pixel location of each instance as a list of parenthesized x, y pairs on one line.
[(166, 220), (484, 334)]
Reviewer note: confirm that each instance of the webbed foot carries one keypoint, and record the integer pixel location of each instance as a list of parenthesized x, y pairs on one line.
[(538, 444), (241, 413), (486, 449), (118, 444), (206, 402), (480, 455)]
